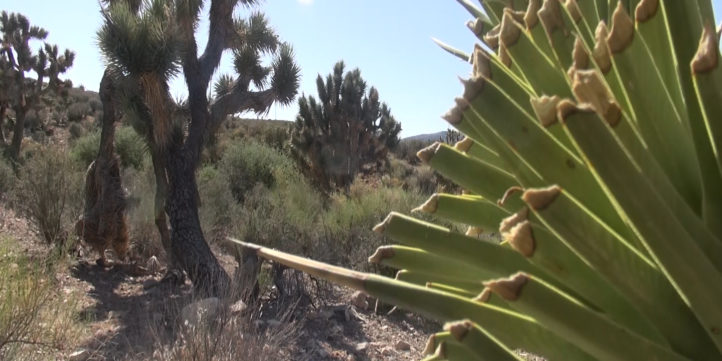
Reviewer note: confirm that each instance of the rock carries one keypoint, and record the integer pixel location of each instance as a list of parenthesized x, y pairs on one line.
[(362, 346), (238, 307), (322, 353), (402, 346), (387, 351), (351, 358), (360, 300), (80, 355), (201, 311)]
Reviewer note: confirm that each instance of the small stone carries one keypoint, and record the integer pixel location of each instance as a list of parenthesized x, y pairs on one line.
[(387, 351), (238, 307), (402, 346), (360, 300), (362, 346), (351, 358), (80, 355)]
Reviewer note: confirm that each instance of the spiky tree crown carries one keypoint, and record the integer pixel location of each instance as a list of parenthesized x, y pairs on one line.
[(17, 58), (346, 128), (149, 42)]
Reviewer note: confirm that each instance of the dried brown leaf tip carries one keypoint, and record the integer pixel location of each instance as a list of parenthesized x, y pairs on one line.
[(429, 206), (459, 329), (480, 61), (484, 296), (567, 108), (588, 87), (510, 27), (573, 10), (464, 145), (545, 109), (601, 53), (427, 153), (531, 18), (381, 227), (508, 288), (580, 56), (646, 9), (550, 15), (521, 238), (707, 55), (456, 114), (509, 222), (622, 31), (382, 253), (540, 198)]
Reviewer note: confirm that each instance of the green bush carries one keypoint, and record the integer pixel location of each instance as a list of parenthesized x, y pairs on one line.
[(84, 150), (76, 131), (49, 193), (129, 146), (78, 111), (217, 209), (246, 163)]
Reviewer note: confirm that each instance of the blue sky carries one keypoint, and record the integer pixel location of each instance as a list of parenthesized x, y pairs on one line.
[(389, 40)]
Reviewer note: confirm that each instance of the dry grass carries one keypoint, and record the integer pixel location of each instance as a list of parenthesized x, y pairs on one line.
[(37, 321)]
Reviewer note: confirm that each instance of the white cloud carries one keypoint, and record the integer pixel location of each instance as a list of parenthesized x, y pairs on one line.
[(305, 2)]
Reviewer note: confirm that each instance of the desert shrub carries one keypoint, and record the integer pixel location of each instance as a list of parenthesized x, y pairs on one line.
[(84, 150), (129, 146), (217, 209), (7, 177), (423, 179), (76, 131), (35, 319), (95, 104), (33, 119), (145, 240), (246, 163), (77, 111), (406, 150), (349, 220), (49, 193)]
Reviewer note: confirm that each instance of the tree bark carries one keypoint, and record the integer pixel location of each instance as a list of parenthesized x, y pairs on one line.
[(103, 223), (188, 244), (18, 133)]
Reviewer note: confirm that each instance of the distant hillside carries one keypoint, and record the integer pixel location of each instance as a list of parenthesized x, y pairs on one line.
[(430, 137)]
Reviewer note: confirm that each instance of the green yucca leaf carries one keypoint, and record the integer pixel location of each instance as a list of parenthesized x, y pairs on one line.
[(509, 328), (615, 259), (666, 239), (466, 171), (477, 212), (592, 331), (480, 152)]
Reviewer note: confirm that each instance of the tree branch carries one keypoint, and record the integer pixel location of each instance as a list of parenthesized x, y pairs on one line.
[(236, 101), (221, 25)]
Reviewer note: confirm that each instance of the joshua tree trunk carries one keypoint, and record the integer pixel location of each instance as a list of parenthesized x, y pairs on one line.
[(189, 247), (18, 132), (103, 223), (161, 220)]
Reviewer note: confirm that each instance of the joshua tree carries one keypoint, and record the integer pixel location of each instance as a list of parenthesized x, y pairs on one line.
[(344, 130), (144, 46), (16, 58)]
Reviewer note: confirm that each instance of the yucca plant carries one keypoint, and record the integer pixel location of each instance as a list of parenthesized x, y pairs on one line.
[(593, 148)]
